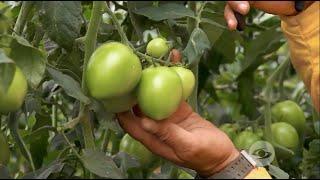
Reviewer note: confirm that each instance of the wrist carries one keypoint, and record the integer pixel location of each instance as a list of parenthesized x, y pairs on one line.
[(221, 165)]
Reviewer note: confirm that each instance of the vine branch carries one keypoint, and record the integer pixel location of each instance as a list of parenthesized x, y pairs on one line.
[(22, 17), (90, 45)]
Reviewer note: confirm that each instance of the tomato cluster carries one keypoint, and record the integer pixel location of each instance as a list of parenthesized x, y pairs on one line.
[(114, 76), (288, 124)]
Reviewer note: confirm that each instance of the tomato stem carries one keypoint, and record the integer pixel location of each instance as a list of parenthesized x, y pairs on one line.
[(13, 124), (192, 23), (90, 45), (267, 112), (22, 17), (122, 34)]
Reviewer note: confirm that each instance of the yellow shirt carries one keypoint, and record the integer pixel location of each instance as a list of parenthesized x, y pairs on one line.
[(302, 32)]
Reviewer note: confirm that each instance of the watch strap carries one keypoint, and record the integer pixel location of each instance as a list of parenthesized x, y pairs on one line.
[(237, 169)]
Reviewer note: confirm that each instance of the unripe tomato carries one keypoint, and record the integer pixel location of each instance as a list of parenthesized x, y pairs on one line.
[(134, 148), (120, 104), (159, 92), (12, 99), (285, 135), (157, 47), (289, 112), (175, 56), (113, 71), (4, 150), (230, 130), (245, 139), (188, 80)]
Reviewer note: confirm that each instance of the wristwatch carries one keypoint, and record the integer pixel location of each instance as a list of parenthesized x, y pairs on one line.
[(237, 169)]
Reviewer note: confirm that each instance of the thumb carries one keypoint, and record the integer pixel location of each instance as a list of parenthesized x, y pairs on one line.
[(169, 133)]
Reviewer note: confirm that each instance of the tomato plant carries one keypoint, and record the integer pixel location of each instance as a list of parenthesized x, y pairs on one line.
[(230, 130), (245, 139), (188, 80), (285, 135), (289, 112), (157, 47), (13, 97), (113, 70), (160, 92), (67, 68), (120, 104)]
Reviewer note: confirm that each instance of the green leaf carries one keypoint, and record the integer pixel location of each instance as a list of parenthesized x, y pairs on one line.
[(30, 59), (266, 42), (45, 172), (310, 165), (61, 20), (165, 11), (7, 70), (100, 164), (196, 46), (71, 87), (39, 141)]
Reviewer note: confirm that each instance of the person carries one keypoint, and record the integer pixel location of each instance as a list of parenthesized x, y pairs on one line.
[(188, 140)]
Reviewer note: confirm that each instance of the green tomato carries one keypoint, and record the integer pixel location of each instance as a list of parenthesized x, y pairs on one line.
[(159, 92), (134, 148), (4, 150), (113, 71), (285, 135), (157, 47), (188, 80), (245, 139), (12, 99), (120, 104), (230, 130), (289, 112)]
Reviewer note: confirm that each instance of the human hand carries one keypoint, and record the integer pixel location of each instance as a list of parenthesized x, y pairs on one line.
[(184, 138), (273, 7)]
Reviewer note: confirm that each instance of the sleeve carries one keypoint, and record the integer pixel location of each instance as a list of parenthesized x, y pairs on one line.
[(258, 173), (302, 32)]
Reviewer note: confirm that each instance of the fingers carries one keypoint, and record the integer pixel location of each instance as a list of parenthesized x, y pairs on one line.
[(169, 133), (180, 114), (230, 18), (132, 125), (241, 7)]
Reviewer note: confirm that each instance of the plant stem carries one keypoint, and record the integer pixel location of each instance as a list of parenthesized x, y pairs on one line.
[(192, 23), (22, 17), (106, 140), (267, 113), (90, 45), (115, 21), (13, 126)]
